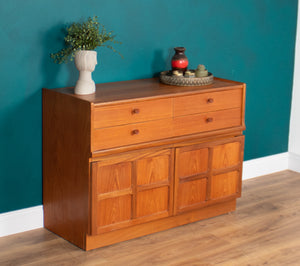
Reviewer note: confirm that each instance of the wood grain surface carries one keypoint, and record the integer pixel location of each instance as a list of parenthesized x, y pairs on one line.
[(93, 202), (66, 150), (264, 230), (120, 92)]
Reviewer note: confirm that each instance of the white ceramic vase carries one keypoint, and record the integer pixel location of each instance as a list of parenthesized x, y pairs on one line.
[(85, 62)]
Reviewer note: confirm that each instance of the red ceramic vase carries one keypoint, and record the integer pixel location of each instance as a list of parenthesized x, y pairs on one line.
[(179, 60)]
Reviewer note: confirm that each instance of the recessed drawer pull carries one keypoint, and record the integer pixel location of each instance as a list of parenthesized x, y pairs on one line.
[(135, 111), (209, 119), (210, 100), (135, 132)]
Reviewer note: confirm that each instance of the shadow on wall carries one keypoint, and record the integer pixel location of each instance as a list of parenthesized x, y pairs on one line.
[(21, 156), (53, 41), (161, 62)]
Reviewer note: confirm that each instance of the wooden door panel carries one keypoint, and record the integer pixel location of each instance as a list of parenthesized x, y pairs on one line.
[(152, 201), (224, 185), (207, 172), (226, 155), (114, 210), (131, 190), (192, 162), (152, 170), (113, 177), (191, 193)]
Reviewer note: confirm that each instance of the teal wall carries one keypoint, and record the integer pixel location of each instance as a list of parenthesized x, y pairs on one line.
[(249, 40)]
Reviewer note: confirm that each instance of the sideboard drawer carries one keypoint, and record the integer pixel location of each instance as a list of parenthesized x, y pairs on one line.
[(131, 134), (134, 112), (207, 102), (196, 123)]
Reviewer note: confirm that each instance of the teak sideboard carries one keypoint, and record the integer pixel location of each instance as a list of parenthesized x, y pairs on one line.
[(138, 157)]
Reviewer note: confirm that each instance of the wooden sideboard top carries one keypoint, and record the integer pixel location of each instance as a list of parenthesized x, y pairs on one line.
[(114, 92)]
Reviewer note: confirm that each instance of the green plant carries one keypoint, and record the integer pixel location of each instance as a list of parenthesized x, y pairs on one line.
[(87, 35)]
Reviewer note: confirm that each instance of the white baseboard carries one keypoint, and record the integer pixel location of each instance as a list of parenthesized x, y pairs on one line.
[(21, 220), (265, 165), (294, 162), (32, 218)]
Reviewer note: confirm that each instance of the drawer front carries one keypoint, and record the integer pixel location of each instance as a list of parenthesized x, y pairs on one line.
[(111, 137), (207, 102), (122, 114), (191, 124)]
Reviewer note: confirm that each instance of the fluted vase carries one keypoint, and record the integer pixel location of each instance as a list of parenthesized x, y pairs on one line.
[(85, 62)]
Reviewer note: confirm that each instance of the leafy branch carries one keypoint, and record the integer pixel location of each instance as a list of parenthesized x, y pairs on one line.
[(87, 35)]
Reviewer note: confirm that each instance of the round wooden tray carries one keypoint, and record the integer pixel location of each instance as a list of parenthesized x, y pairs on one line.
[(167, 78)]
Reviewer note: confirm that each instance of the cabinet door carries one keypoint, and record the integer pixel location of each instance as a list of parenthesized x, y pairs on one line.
[(226, 169), (111, 195), (153, 180), (191, 177), (208, 173), (131, 189)]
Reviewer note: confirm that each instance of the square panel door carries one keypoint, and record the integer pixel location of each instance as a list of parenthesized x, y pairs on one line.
[(127, 191), (207, 172)]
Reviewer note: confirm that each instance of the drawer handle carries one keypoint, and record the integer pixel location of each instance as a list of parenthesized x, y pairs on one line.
[(209, 119), (210, 100), (135, 111), (135, 132)]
